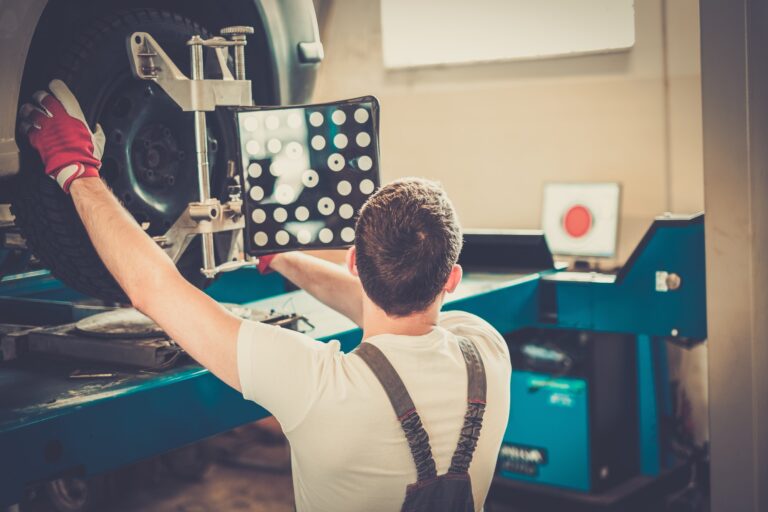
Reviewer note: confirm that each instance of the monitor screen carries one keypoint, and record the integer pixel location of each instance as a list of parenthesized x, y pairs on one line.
[(306, 172), (581, 219), (505, 250)]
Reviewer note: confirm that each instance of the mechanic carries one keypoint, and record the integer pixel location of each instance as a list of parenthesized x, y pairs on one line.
[(425, 394)]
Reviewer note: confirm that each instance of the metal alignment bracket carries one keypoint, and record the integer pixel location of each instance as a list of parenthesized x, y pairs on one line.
[(200, 95), (150, 62), (207, 217)]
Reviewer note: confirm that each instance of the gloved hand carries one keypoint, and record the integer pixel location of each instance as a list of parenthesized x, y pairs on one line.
[(57, 129), (264, 262)]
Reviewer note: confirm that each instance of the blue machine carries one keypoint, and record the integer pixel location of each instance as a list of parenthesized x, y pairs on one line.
[(550, 422), (659, 295), (52, 426), (574, 423)]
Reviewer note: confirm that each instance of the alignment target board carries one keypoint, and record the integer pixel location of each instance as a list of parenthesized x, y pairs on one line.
[(306, 172)]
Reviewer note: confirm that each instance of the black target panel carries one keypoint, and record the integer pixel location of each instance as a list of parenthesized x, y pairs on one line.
[(306, 172)]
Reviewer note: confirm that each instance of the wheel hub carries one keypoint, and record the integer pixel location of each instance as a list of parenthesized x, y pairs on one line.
[(156, 156)]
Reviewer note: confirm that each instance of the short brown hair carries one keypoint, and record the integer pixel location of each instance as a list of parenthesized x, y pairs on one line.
[(407, 240)]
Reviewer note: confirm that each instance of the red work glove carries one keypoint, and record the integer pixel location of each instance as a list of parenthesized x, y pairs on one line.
[(57, 129), (264, 262)]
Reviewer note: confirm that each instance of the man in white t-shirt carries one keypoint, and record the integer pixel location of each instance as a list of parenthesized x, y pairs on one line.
[(349, 447)]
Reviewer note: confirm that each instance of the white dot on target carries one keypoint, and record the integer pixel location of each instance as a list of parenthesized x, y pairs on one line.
[(284, 194), (274, 145), (256, 193), (260, 239), (326, 205), (365, 163), (272, 122), (251, 124), (338, 117), (276, 168), (363, 139), (252, 147), (316, 119), (361, 115), (346, 211), (294, 120), (280, 215), (317, 142), (340, 141), (310, 178), (294, 149), (336, 162), (282, 237), (303, 236), (347, 234), (254, 170), (258, 216), (301, 213), (367, 186), (344, 188), (325, 235)]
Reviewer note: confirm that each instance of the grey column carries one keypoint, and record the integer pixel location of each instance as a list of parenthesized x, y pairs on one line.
[(734, 44)]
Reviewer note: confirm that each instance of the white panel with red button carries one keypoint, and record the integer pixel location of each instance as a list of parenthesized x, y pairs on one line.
[(581, 219)]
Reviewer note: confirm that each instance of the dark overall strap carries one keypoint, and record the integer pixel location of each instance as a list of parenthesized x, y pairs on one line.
[(417, 437), (473, 418)]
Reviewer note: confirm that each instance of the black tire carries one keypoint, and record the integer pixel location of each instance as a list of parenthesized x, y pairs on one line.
[(136, 116)]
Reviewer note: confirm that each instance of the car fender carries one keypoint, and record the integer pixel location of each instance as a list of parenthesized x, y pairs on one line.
[(296, 50), (18, 19)]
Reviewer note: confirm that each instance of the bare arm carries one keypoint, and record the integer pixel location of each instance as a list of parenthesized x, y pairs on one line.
[(195, 321), (331, 284)]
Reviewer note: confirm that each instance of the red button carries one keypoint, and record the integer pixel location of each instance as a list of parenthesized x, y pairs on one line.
[(577, 221)]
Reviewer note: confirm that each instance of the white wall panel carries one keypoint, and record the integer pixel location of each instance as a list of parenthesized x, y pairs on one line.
[(435, 32)]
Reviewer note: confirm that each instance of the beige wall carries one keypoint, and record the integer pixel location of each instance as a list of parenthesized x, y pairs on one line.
[(493, 134)]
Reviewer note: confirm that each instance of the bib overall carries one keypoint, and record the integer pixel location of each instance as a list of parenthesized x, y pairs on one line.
[(451, 492)]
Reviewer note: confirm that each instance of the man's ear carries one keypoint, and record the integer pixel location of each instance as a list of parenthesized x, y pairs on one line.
[(352, 261), (454, 278)]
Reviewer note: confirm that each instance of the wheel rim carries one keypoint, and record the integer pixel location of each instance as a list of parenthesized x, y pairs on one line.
[(149, 158)]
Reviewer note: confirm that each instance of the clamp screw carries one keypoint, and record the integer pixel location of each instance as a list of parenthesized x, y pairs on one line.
[(237, 30), (237, 35)]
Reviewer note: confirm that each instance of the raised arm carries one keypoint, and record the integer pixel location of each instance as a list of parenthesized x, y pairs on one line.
[(155, 287), (70, 152), (329, 283)]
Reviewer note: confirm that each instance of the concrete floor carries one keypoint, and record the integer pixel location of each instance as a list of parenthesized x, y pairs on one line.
[(222, 489), (250, 471)]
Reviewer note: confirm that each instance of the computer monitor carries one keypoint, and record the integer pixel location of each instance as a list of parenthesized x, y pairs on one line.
[(505, 250), (581, 219)]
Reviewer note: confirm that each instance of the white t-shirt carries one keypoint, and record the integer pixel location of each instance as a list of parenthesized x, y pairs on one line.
[(348, 451)]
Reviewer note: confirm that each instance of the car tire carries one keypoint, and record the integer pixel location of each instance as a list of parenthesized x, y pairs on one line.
[(149, 160)]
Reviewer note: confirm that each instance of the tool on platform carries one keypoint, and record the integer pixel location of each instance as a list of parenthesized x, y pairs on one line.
[(305, 170), (119, 336)]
